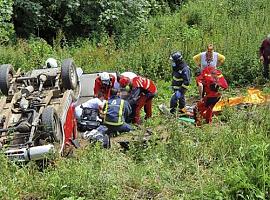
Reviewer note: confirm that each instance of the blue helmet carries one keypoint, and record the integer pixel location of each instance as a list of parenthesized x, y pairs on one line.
[(176, 56)]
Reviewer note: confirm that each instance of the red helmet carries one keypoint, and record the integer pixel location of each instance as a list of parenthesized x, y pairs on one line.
[(124, 81)]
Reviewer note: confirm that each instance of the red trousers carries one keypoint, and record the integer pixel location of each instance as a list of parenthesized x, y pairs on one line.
[(145, 102), (205, 107)]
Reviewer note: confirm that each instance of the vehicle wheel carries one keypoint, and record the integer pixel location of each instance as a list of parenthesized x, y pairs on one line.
[(51, 125), (6, 74), (69, 74)]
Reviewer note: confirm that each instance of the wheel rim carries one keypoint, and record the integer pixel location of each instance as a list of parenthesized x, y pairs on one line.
[(58, 133), (73, 77)]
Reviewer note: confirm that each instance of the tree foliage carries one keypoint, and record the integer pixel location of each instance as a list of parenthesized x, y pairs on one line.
[(44, 18), (6, 27)]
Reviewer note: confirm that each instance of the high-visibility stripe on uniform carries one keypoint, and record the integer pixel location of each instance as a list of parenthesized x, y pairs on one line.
[(177, 79), (139, 83), (147, 84), (120, 122), (121, 112), (176, 87), (185, 86), (105, 109)]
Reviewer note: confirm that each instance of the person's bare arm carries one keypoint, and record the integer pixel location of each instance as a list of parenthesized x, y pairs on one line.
[(197, 59)]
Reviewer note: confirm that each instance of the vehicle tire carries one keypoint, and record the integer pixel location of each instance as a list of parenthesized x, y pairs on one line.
[(6, 74), (51, 125), (69, 74)]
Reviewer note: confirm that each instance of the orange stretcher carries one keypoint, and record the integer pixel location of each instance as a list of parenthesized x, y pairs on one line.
[(254, 96)]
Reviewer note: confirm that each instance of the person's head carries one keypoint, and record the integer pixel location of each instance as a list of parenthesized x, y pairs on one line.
[(210, 48), (100, 95), (124, 83), (114, 92), (51, 63), (268, 37), (176, 58), (105, 78)]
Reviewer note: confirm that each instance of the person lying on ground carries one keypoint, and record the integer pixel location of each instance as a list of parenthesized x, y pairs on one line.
[(96, 104)]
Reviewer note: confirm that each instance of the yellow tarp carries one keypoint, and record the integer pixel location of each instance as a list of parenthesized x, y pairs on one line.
[(254, 96)]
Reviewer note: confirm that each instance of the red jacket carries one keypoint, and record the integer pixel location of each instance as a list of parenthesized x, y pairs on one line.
[(145, 84), (104, 89), (212, 79), (141, 85)]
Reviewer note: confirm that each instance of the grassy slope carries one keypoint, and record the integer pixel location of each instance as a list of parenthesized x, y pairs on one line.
[(229, 160)]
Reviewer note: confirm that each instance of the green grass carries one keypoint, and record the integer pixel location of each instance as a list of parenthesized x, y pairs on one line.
[(226, 160)]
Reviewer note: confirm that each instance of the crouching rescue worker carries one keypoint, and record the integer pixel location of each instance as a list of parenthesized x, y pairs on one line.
[(116, 111), (212, 79), (104, 83), (180, 81), (142, 93), (125, 92)]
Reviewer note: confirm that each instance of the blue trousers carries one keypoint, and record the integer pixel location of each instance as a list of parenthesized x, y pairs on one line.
[(181, 102), (118, 129)]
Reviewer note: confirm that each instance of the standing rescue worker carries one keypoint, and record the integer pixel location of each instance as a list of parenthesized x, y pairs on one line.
[(104, 83), (181, 80), (212, 80), (116, 111), (265, 56), (209, 58), (142, 93)]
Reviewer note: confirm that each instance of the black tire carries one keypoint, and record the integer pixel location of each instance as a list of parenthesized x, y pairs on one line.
[(6, 73), (69, 74), (51, 125)]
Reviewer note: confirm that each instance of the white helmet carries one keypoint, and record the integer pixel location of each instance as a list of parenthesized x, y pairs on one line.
[(51, 63), (105, 78)]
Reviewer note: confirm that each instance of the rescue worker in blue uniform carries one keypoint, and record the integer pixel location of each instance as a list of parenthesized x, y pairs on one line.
[(181, 76), (116, 111)]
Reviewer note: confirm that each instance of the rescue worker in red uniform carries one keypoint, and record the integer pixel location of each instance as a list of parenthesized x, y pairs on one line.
[(104, 83), (212, 80), (142, 93)]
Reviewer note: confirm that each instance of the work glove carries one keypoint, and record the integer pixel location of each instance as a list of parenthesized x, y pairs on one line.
[(178, 94)]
